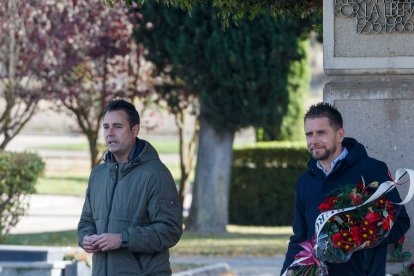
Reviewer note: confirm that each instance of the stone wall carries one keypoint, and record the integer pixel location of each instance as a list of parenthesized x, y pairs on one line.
[(369, 57)]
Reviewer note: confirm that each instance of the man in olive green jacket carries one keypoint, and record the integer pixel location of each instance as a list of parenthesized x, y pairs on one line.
[(131, 215)]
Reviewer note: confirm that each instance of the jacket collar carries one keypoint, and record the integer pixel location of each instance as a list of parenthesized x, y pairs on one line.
[(356, 151), (133, 156)]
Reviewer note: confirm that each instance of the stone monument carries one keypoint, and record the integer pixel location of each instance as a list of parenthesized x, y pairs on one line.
[(369, 58)]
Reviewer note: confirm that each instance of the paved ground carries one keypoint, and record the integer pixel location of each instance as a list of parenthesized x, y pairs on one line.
[(57, 213), (48, 213), (241, 266)]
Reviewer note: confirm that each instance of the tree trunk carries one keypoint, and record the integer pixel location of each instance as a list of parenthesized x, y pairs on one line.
[(209, 208), (187, 149), (92, 137)]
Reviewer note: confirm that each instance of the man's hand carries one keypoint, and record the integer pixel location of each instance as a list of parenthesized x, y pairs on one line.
[(87, 244), (107, 241)]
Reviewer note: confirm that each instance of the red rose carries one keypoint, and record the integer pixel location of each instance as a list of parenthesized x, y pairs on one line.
[(387, 222), (372, 217), (332, 201), (356, 198), (324, 206)]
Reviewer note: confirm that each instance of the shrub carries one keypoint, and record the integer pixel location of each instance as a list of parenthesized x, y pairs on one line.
[(18, 175), (263, 183)]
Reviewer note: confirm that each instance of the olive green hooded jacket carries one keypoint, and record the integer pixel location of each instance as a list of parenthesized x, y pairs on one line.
[(139, 200)]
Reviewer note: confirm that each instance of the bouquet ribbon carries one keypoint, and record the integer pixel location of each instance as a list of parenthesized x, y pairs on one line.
[(385, 187), (305, 257)]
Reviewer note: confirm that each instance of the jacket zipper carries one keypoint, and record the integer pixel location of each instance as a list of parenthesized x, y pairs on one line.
[(109, 212)]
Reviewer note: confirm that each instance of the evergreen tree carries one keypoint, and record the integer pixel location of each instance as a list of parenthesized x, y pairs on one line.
[(289, 126), (239, 76), (234, 10)]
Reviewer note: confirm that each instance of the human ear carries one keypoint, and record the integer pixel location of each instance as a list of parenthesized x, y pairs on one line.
[(135, 129), (341, 135)]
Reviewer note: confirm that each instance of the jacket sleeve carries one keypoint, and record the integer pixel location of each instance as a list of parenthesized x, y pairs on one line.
[(165, 216), (300, 231), (86, 225)]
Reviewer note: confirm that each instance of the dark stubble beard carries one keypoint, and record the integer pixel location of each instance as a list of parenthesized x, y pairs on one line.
[(324, 154)]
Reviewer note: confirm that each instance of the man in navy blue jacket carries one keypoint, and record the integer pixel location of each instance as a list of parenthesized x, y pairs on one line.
[(337, 161)]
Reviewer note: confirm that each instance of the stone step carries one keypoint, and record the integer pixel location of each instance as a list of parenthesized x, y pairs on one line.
[(17, 253)]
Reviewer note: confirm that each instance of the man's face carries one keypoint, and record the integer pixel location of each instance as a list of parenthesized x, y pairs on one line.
[(324, 142), (119, 136)]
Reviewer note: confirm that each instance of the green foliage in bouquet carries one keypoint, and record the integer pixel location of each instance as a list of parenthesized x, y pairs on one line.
[(304, 270)]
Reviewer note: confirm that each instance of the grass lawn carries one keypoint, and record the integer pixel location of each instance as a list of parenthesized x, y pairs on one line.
[(240, 240), (63, 184), (62, 238), (168, 145), (72, 183)]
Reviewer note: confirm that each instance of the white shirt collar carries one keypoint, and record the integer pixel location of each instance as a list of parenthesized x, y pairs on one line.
[(343, 154)]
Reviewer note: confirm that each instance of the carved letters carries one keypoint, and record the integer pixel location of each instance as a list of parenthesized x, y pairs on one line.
[(378, 16)]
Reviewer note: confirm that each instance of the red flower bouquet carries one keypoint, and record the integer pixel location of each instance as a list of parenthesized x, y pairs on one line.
[(354, 220), (351, 219)]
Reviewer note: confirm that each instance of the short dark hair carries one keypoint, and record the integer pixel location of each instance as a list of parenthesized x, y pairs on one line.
[(129, 108), (328, 111)]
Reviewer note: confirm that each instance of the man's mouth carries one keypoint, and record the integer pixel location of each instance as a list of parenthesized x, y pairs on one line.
[(317, 149)]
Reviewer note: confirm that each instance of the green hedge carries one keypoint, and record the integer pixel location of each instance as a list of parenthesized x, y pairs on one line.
[(18, 175), (263, 183)]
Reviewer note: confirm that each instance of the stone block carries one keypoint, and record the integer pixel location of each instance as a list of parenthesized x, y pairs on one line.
[(368, 37), (17, 253), (32, 268), (379, 112)]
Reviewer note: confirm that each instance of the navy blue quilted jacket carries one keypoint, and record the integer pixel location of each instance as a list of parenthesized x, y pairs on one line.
[(312, 188)]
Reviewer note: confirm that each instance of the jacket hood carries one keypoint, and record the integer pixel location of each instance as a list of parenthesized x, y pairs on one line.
[(356, 152)]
